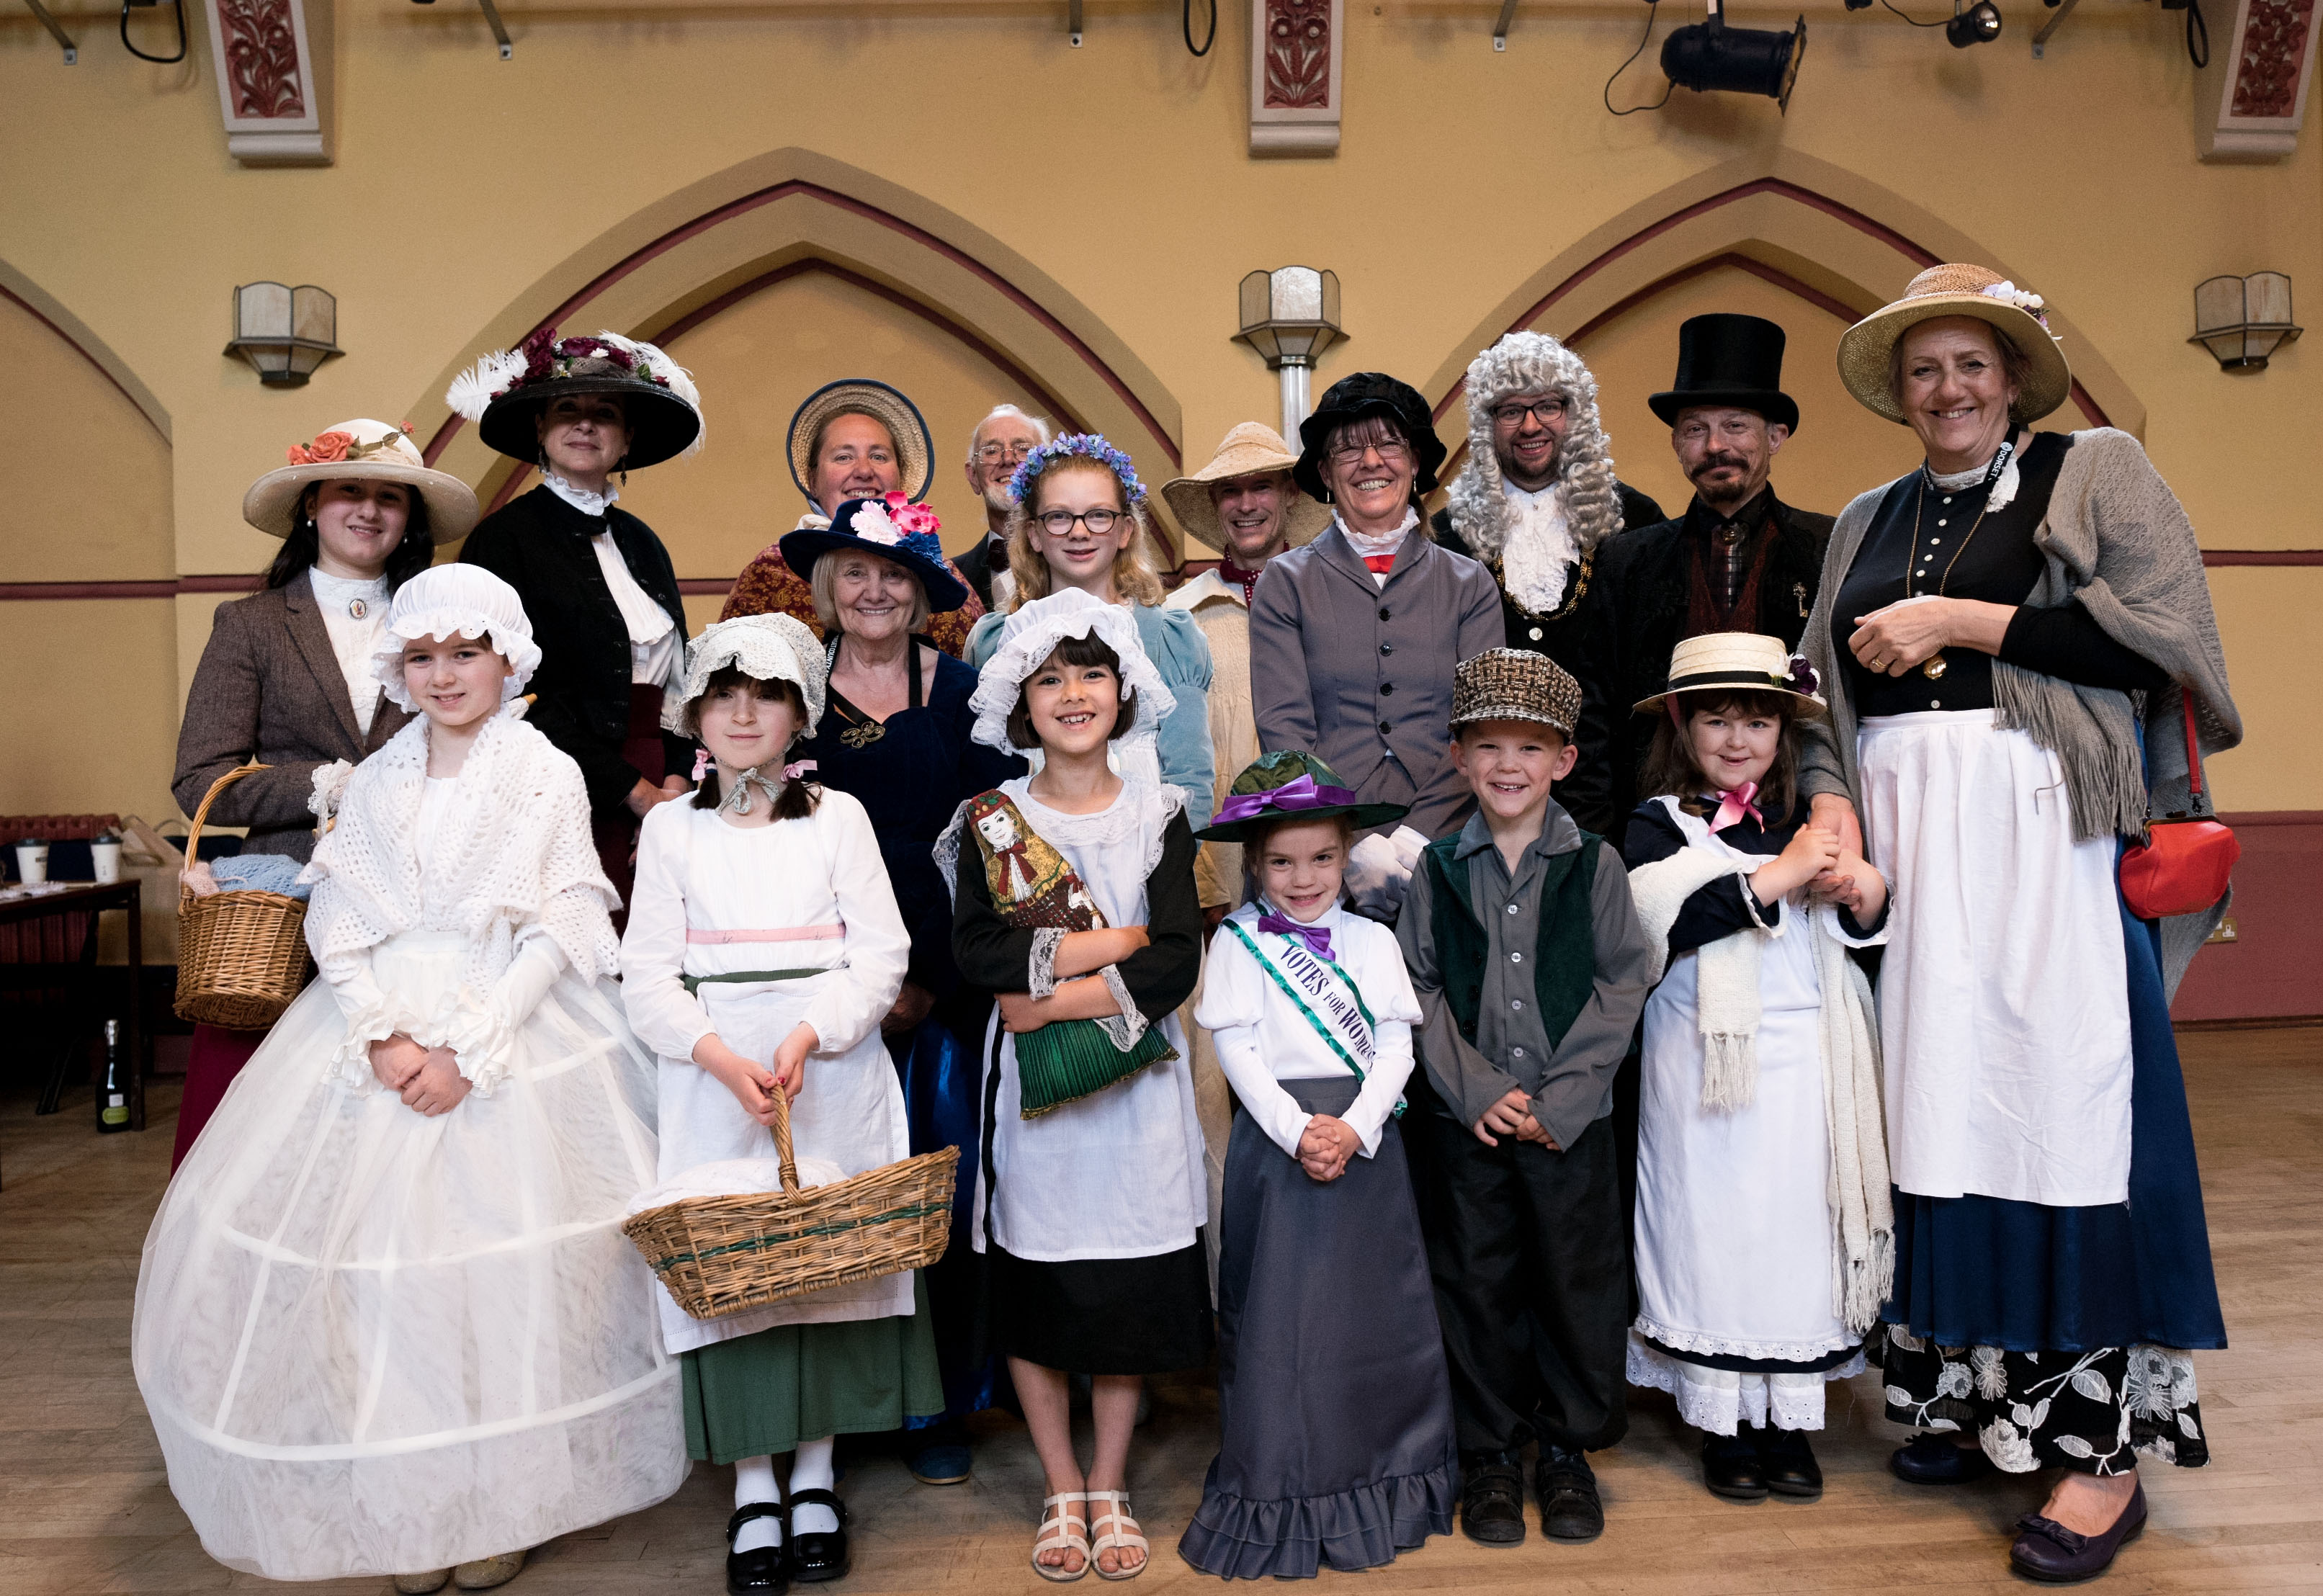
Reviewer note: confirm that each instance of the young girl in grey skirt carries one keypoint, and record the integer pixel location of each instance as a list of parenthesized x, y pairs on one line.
[(1334, 1410)]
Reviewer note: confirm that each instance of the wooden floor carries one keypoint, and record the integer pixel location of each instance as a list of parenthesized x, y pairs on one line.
[(85, 1507)]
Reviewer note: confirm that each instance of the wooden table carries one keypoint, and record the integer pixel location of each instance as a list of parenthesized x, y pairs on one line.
[(92, 899)]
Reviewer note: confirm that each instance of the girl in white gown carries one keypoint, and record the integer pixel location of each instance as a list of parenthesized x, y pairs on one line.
[(387, 1322)]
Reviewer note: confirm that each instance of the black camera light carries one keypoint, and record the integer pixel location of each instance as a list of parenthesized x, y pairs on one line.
[(1710, 58)]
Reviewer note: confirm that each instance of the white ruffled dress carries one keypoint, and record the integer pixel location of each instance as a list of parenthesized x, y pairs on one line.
[(373, 1342)]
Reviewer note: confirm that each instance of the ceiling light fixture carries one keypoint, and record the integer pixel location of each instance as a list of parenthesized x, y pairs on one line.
[(1976, 24), (1710, 58)]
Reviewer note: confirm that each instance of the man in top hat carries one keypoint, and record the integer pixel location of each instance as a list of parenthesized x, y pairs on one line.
[(994, 450), (1353, 639), (1738, 560), (1536, 502)]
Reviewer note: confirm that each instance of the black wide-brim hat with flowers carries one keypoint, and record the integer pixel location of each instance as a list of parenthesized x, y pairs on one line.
[(1351, 398), (1288, 786), (505, 392), (894, 528)]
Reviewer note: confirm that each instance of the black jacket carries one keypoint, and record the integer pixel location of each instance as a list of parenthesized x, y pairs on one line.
[(976, 568), (1636, 612), (540, 545), (1587, 794)]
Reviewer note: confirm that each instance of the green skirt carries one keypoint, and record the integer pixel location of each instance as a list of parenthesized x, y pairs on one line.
[(766, 1392)]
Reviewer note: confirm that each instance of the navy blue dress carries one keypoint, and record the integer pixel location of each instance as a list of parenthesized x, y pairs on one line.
[(910, 773)]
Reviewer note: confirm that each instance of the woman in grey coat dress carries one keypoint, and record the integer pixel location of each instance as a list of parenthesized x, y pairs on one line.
[(285, 679)]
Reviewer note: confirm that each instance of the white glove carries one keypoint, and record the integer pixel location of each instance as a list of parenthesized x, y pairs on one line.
[(1379, 868)]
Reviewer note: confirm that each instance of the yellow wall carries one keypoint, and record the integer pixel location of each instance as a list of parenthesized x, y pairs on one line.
[(1110, 189)]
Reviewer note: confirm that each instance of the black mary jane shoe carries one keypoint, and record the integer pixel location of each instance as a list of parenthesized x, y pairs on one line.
[(2046, 1551), (762, 1570), (1491, 1499), (1731, 1466), (1786, 1461), (822, 1554), (1570, 1507), (1930, 1458)]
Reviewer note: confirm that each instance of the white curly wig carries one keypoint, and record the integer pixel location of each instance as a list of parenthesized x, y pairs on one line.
[(1535, 362)]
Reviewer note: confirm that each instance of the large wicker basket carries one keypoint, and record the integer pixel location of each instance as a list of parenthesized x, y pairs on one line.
[(720, 1255), (242, 956)]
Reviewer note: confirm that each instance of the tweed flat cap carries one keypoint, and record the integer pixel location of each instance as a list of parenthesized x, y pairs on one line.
[(1515, 685)]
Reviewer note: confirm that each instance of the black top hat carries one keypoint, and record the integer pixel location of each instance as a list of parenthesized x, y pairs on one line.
[(1350, 398), (1730, 360)]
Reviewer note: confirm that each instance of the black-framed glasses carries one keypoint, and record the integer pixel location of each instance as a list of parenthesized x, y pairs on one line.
[(1057, 523), (1548, 412), (1389, 449)]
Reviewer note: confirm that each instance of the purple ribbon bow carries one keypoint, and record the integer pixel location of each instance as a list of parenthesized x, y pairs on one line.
[(1317, 939), (1302, 793)]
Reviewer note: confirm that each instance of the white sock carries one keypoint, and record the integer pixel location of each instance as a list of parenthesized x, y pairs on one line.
[(812, 1469), (754, 1481)]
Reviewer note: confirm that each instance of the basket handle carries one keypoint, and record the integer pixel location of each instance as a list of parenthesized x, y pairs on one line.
[(782, 1128), (194, 835)]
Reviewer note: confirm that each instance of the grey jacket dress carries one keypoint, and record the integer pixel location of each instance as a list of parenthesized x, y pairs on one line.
[(1361, 675), (269, 688)]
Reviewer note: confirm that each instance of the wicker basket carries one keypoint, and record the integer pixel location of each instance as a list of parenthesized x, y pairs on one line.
[(242, 956), (720, 1255)]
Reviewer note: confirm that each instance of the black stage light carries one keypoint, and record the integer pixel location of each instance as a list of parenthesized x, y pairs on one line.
[(1978, 24), (1713, 58)]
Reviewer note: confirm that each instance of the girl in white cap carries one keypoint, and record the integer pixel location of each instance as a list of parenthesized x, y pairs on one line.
[(388, 1323)]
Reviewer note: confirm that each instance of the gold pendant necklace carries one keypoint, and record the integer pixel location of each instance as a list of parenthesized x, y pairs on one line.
[(1934, 667)]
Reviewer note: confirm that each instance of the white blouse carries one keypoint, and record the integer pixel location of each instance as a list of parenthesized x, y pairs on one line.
[(1263, 1038), (353, 637), (657, 656)]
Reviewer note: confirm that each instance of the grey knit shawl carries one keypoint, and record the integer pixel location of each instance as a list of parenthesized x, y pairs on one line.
[(2116, 539)]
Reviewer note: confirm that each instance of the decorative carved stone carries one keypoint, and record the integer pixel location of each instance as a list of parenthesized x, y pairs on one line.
[(268, 87), (2253, 94), (1297, 49)]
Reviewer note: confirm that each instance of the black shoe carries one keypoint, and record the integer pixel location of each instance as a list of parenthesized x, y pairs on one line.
[(1491, 1499), (1787, 1460), (760, 1571), (1930, 1458), (820, 1556), (2045, 1550), (1570, 1509), (1731, 1466)]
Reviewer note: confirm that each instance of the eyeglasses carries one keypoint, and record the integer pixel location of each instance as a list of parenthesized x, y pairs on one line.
[(1057, 523), (996, 453), (1548, 412), (1391, 449)]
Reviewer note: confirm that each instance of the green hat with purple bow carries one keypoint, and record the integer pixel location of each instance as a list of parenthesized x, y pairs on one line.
[(1289, 785)]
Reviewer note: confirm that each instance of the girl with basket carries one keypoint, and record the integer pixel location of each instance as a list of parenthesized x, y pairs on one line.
[(764, 935), (1075, 903), (387, 1322)]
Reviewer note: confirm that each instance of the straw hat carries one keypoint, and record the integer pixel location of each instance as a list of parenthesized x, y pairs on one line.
[(915, 450), (1289, 785), (1741, 660), (505, 392), (362, 451), (1515, 685), (1251, 447), (1864, 348)]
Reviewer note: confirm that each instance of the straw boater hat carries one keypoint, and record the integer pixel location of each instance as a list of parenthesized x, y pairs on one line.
[(915, 450), (363, 451), (1252, 447), (505, 391), (1864, 348), (1291, 786), (1515, 685), (1743, 660)]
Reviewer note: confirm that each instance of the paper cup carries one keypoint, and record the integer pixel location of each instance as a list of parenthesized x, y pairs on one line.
[(32, 862), (108, 859)]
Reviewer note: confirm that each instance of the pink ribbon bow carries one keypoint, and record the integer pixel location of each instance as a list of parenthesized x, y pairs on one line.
[(790, 773), (1733, 805)]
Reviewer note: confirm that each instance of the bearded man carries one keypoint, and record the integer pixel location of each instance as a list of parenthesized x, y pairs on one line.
[(1536, 503), (1738, 560), (994, 450)]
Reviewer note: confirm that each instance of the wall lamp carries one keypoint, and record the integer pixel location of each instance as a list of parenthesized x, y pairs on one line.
[(1712, 58), (284, 332), (1290, 316), (2243, 320)]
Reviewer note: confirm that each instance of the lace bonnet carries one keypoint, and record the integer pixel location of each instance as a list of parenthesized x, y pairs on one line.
[(774, 647), (455, 600), (1031, 633)]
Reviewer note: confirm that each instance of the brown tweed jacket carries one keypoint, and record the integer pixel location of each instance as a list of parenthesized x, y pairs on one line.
[(268, 688)]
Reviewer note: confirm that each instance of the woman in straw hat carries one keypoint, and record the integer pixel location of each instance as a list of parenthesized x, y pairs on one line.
[(286, 678), (2012, 636), (854, 438), (596, 581)]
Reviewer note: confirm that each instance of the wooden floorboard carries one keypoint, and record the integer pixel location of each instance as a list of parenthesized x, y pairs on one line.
[(85, 1507)]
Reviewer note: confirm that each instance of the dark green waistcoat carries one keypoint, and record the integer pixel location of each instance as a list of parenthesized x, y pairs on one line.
[(1564, 953)]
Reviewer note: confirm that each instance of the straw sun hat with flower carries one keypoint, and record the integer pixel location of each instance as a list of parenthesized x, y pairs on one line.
[(1867, 349), (363, 451)]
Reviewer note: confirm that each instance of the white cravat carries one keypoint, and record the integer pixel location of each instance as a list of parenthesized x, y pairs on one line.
[(580, 499), (352, 638), (655, 659), (1369, 547), (1539, 547)]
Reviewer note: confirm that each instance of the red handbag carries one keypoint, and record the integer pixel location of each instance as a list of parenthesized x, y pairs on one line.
[(2182, 866)]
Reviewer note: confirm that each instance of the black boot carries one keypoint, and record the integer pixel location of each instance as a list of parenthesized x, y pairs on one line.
[(1788, 1464), (1731, 1466), (1492, 1497), (764, 1571), (1570, 1509)]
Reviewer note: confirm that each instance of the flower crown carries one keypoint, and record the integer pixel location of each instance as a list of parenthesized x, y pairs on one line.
[(895, 522), (1076, 445), (331, 448)]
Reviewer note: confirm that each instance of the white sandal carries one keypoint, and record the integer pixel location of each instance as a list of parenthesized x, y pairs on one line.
[(1116, 1513), (1058, 1534)]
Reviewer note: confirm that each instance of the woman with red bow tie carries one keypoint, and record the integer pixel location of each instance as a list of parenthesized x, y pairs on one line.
[(1765, 1239)]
